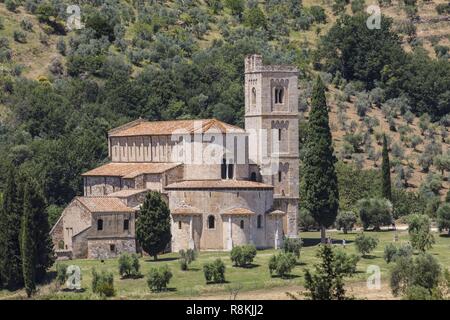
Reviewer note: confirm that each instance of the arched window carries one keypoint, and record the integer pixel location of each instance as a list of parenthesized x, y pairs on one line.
[(179, 224), (279, 134), (279, 95), (253, 96), (279, 176), (99, 224), (253, 176), (259, 222), (126, 224), (211, 222), (242, 224)]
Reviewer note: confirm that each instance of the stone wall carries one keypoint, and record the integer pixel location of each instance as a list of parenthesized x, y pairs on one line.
[(100, 186), (74, 219), (80, 245), (113, 225), (215, 202), (181, 237), (57, 234), (110, 248)]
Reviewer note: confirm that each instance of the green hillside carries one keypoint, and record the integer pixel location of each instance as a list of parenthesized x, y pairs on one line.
[(62, 90)]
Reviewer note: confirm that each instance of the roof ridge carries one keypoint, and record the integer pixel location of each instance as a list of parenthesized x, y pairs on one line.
[(127, 125)]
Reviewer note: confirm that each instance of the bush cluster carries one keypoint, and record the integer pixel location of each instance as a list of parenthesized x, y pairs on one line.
[(129, 265), (281, 264), (365, 244), (103, 283), (214, 271), (392, 252), (186, 258), (159, 278), (243, 256), (292, 246)]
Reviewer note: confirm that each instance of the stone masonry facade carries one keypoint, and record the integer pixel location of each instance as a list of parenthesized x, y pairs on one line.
[(224, 185)]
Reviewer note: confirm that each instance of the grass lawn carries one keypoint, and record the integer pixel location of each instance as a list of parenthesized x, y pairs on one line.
[(185, 284)]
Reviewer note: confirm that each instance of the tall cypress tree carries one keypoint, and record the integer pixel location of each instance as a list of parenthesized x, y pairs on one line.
[(386, 172), (36, 245), (319, 185), (27, 240), (153, 224), (10, 215)]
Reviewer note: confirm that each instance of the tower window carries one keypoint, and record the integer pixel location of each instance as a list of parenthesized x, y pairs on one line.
[(211, 222), (253, 176), (224, 169), (253, 96), (279, 134), (179, 224), (99, 224), (279, 176), (112, 247), (279, 95), (259, 222), (126, 224), (230, 171), (242, 224)]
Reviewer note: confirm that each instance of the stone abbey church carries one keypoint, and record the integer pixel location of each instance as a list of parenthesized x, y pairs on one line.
[(225, 186)]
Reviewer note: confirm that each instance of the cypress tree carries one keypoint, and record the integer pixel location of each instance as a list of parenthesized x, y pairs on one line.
[(36, 244), (28, 245), (45, 256), (319, 185), (386, 172), (10, 216), (153, 224)]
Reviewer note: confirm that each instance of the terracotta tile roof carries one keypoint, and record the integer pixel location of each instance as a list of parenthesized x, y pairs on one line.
[(129, 170), (152, 128), (218, 184), (238, 212), (125, 193), (104, 204), (186, 210)]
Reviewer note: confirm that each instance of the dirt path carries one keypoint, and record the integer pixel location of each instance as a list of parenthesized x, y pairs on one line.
[(359, 290)]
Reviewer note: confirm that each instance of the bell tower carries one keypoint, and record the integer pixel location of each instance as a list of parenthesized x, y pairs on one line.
[(271, 118)]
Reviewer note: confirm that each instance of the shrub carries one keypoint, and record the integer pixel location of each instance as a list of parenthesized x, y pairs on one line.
[(344, 263), (11, 5), (61, 46), (443, 217), (419, 232), (103, 283), (20, 36), (186, 258), (345, 220), (129, 265), (158, 278), (375, 212), (365, 244), (214, 271), (410, 276), (293, 246), (389, 252), (443, 8), (242, 256), (326, 282), (281, 264), (61, 273), (26, 25)]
